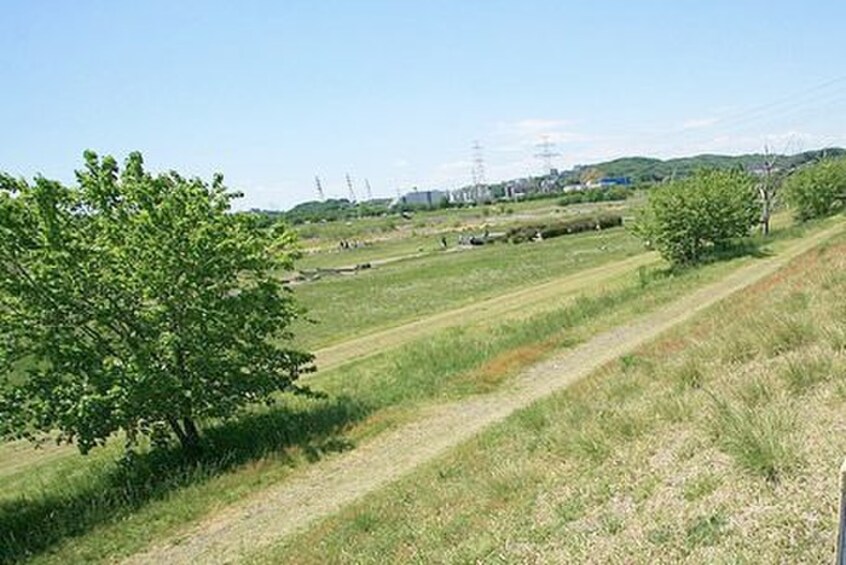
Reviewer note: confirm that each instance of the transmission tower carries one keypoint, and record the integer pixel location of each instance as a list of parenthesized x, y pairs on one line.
[(478, 171), (547, 153), (369, 192), (319, 186), (350, 186)]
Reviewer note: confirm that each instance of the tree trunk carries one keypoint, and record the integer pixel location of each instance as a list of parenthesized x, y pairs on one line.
[(187, 433), (192, 433)]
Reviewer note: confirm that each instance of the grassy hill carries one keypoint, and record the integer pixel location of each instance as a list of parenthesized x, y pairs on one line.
[(646, 169)]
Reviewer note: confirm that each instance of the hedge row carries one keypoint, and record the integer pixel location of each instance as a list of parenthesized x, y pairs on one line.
[(564, 227)]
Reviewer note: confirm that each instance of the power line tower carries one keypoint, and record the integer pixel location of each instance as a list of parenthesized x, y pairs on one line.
[(478, 171), (319, 186), (367, 186), (350, 187), (547, 153)]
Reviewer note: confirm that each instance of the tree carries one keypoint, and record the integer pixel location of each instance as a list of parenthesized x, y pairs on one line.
[(137, 302), (686, 219), (590, 175), (817, 190), (768, 186)]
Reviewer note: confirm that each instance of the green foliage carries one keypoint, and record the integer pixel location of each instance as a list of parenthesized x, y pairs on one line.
[(330, 210), (138, 303), (647, 170), (817, 190), (686, 219), (595, 195), (564, 227)]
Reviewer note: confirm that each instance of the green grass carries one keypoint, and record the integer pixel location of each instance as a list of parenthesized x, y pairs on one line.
[(743, 469), (99, 508), (759, 438), (90, 508), (390, 295), (326, 235), (384, 238)]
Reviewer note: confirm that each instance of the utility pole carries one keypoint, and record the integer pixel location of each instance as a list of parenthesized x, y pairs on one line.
[(369, 192), (320, 195)]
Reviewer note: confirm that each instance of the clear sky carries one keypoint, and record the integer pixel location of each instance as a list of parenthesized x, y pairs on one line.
[(273, 93)]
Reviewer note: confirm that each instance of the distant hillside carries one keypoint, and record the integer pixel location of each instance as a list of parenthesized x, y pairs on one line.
[(639, 169), (646, 169), (332, 209)]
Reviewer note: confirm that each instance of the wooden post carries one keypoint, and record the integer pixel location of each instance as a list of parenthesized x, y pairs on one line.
[(841, 534)]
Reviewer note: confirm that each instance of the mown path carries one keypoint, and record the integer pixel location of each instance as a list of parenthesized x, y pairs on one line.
[(327, 486), (519, 302)]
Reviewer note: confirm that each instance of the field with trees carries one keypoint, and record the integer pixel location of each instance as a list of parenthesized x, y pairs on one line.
[(649, 389)]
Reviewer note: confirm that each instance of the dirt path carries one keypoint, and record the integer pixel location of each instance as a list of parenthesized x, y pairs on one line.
[(326, 487), (498, 307)]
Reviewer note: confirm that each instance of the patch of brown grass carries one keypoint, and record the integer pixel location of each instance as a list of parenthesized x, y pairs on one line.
[(492, 373)]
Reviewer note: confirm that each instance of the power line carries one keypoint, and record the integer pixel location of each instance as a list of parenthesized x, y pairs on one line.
[(812, 99)]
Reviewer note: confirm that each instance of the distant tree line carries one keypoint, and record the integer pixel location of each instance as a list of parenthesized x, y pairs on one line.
[(608, 194)]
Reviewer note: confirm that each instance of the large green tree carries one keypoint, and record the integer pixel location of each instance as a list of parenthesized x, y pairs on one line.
[(818, 189), (138, 303), (686, 219)]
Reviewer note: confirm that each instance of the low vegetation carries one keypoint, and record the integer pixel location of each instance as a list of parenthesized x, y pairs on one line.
[(100, 507), (406, 290), (550, 230), (717, 443), (137, 308), (609, 194)]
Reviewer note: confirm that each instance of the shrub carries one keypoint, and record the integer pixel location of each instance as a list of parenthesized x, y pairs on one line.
[(686, 219), (595, 195), (564, 227), (817, 190)]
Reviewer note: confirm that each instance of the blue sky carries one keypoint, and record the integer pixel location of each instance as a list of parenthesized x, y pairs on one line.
[(273, 93)]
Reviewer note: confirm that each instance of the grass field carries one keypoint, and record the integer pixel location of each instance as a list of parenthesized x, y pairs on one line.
[(392, 294), (720, 442), (386, 238), (65, 507)]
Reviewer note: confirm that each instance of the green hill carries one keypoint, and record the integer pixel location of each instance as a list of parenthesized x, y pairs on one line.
[(646, 169)]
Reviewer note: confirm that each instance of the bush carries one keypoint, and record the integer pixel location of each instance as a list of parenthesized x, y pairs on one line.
[(686, 219), (817, 190), (595, 195), (576, 225)]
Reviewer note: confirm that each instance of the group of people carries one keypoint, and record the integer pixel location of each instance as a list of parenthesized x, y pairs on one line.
[(355, 244)]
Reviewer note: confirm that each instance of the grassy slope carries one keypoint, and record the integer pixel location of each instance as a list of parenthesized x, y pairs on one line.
[(721, 442), (111, 512)]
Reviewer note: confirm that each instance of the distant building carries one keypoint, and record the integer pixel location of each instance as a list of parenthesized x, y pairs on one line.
[(471, 195), (430, 198), (514, 190), (615, 181)]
